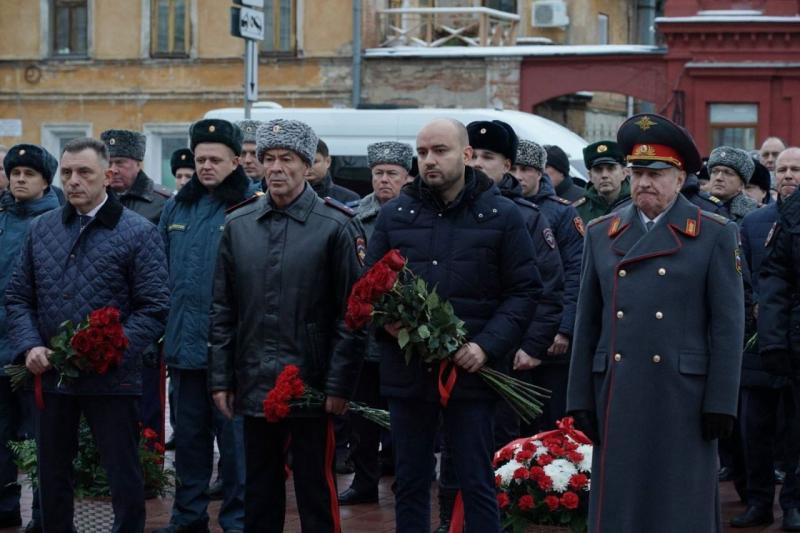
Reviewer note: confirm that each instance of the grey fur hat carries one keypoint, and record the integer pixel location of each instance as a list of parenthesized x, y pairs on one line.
[(249, 129), (390, 153), (124, 143), (530, 154), (738, 160), (288, 134)]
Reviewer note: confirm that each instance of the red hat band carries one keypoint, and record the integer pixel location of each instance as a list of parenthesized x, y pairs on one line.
[(655, 152)]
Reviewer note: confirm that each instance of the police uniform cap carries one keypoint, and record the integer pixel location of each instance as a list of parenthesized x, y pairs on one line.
[(652, 141), (32, 156), (495, 135), (603, 153), (181, 158), (216, 130)]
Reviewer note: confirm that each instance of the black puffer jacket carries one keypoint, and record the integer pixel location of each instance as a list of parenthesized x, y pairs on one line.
[(280, 293), (779, 293), (478, 254)]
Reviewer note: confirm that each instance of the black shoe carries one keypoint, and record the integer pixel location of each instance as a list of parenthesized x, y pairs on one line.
[(214, 491), (170, 444), (33, 527), (199, 526), (753, 516), (352, 497), (780, 475), (344, 467), (10, 519), (791, 520), (726, 473)]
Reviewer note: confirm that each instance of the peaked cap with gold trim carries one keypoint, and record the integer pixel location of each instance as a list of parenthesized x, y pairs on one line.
[(652, 141)]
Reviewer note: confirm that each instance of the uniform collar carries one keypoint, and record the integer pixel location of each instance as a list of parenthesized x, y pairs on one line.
[(299, 210)]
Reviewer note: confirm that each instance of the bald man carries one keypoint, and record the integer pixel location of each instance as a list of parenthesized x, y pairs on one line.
[(463, 237)]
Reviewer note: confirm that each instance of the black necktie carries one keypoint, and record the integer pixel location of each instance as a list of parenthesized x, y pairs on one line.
[(649, 225), (85, 219)]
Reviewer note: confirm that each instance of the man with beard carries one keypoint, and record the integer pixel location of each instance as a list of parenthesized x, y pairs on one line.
[(608, 187), (656, 357), (249, 159), (461, 236)]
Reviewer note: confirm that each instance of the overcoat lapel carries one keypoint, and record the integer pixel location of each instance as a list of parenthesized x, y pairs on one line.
[(634, 243)]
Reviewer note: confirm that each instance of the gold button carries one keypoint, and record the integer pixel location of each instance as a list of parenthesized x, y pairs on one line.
[(656, 358), (659, 315), (212, 129), (622, 273), (618, 357), (620, 314), (662, 271)]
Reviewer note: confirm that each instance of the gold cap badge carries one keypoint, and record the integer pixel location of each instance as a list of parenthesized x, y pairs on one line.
[(602, 148), (112, 141), (276, 128), (483, 130), (645, 123), (183, 157), (22, 152), (212, 128)]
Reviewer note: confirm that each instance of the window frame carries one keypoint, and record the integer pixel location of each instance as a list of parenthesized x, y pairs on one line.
[(153, 27), (736, 124), (153, 155), (294, 31), (52, 31)]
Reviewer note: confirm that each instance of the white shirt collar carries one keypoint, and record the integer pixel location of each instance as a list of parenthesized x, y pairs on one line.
[(645, 219), (94, 211)]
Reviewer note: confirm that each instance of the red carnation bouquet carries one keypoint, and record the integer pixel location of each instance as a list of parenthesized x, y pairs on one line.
[(544, 479), (94, 346), (291, 392), (390, 294)]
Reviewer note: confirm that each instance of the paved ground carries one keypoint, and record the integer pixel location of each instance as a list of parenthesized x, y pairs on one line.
[(377, 517)]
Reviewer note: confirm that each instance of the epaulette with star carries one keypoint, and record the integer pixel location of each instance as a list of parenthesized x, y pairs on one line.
[(250, 200), (579, 202), (339, 206), (719, 219), (560, 200), (162, 191), (527, 203), (712, 198)]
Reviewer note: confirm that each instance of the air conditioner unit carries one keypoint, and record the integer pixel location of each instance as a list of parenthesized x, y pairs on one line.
[(549, 14)]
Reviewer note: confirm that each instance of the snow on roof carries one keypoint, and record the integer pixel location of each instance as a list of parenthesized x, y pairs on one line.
[(511, 51), (727, 16)]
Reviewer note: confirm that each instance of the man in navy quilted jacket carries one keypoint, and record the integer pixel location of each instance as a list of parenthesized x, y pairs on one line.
[(91, 253)]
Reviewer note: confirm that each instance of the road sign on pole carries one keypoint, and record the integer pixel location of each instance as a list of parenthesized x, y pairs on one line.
[(251, 71), (247, 23)]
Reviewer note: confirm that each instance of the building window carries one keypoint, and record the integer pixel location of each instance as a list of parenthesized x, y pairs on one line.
[(734, 125), (170, 31), (56, 136), (602, 28), (162, 140), (70, 23), (279, 26)]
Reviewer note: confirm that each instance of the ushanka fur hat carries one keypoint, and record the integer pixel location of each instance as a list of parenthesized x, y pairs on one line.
[(124, 143), (734, 158), (249, 129), (390, 153), (530, 154), (287, 134)]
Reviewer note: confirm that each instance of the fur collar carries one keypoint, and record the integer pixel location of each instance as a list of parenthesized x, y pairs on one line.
[(231, 191)]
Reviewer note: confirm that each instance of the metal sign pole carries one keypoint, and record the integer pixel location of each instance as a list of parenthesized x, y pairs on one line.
[(249, 75)]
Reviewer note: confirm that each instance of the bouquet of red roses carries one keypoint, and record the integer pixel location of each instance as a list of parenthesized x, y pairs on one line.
[(290, 391), (93, 346), (544, 479), (390, 294)]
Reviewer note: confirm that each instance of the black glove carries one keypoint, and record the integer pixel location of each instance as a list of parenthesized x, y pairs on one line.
[(717, 426), (777, 362), (586, 422)]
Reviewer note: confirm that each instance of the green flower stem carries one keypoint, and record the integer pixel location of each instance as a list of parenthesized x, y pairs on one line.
[(525, 408), (524, 384)]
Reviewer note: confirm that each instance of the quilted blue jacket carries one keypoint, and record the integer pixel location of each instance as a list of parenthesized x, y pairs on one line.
[(191, 226), (14, 221), (64, 273)]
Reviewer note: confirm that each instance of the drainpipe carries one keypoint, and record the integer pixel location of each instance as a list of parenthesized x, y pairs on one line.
[(646, 16), (356, 53)]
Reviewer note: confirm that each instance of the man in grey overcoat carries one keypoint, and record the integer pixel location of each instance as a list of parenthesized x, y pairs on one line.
[(657, 349)]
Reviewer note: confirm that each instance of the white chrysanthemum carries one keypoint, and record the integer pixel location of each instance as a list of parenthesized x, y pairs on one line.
[(539, 449), (560, 471), (586, 451), (506, 472)]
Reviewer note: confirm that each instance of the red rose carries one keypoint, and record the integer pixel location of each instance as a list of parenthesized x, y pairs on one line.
[(149, 434), (358, 314), (526, 503), (521, 473), (545, 459), (159, 447), (552, 502), (80, 342), (394, 260), (570, 500), (503, 500), (578, 481), (383, 279)]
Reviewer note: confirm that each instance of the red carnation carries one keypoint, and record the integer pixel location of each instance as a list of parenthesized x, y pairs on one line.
[(394, 260), (552, 502), (578, 481), (529, 445), (505, 454), (575, 457), (524, 455), (545, 483), (526, 503), (537, 472), (503, 500), (498, 480), (521, 473), (570, 500), (545, 459)]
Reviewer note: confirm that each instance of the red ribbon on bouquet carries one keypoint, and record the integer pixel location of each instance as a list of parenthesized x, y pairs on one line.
[(446, 387)]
